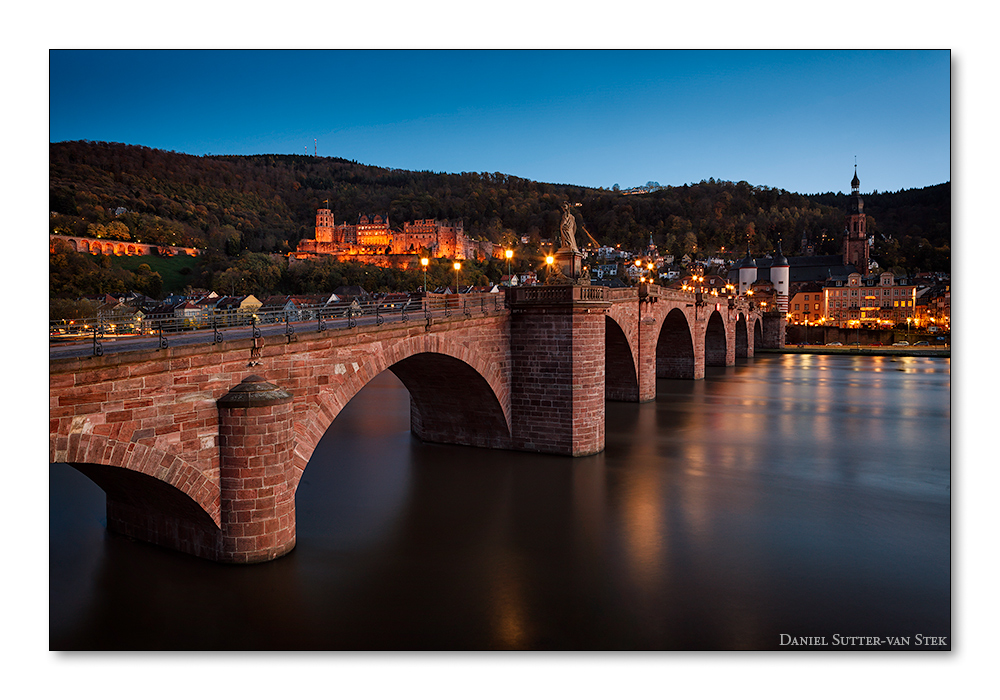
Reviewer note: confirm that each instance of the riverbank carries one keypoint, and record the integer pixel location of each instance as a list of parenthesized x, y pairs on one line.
[(893, 350)]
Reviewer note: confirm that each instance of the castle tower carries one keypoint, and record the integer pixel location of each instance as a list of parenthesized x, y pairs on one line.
[(324, 226), (856, 234)]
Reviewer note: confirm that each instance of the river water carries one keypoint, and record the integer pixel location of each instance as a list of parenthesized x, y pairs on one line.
[(789, 496)]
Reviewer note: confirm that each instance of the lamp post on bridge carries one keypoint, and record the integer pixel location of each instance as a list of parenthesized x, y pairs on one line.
[(508, 254), (423, 263), (458, 266)]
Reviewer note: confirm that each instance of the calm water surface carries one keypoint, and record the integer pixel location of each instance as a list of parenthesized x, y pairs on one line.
[(805, 495)]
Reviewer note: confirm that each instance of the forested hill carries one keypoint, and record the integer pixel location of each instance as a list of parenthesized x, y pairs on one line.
[(266, 203)]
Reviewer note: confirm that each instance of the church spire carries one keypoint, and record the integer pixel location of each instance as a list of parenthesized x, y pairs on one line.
[(856, 250)]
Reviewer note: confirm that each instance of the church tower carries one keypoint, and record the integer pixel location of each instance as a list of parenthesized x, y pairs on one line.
[(856, 234)]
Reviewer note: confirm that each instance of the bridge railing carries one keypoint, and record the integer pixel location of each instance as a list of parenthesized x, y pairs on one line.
[(158, 328)]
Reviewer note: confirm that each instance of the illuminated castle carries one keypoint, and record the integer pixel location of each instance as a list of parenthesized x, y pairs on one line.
[(372, 235)]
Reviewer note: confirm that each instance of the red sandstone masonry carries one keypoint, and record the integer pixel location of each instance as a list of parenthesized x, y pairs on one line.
[(253, 482), (557, 353), (154, 412)]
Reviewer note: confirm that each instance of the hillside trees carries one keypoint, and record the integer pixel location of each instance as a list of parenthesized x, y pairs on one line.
[(267, 203), (253, 273), (73, 275)]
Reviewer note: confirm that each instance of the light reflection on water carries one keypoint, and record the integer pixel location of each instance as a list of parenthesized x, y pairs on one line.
[(790, 494)]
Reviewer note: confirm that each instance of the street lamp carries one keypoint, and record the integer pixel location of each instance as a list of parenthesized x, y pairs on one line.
[(423, 263), (458, 266), (509, 254)]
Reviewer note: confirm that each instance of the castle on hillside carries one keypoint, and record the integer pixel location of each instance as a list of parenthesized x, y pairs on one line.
[(372, 235)]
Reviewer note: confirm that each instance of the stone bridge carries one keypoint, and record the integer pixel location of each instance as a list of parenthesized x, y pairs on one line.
[(198, 452)]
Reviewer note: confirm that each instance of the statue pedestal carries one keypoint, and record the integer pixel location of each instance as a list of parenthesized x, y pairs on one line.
[(569, 267)]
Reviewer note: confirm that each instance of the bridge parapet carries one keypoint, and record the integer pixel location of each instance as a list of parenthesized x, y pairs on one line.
[(624, 294), (555, 294), (672, 294)]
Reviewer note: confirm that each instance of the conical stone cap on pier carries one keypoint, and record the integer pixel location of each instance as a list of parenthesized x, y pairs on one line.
[(254, 392)]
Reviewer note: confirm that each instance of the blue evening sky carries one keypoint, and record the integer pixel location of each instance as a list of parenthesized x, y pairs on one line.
[(791, 119)]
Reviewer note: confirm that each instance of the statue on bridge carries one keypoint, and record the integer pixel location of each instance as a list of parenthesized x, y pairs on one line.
[(567, 229), (568, 259)]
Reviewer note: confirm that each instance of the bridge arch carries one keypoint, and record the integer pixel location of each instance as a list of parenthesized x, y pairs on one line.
[(456, 395), (758, 333), (675, 357), (742, 341), (715, 341), (145, 485), (621, 380)]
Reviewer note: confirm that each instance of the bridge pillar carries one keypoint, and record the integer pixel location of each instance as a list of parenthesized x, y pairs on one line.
[(557, 369), (256, 444), (774, 323), (649, 333)]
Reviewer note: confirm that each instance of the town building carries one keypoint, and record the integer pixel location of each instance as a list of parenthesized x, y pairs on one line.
[(933, 310), (869, 301), (807, 304)]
